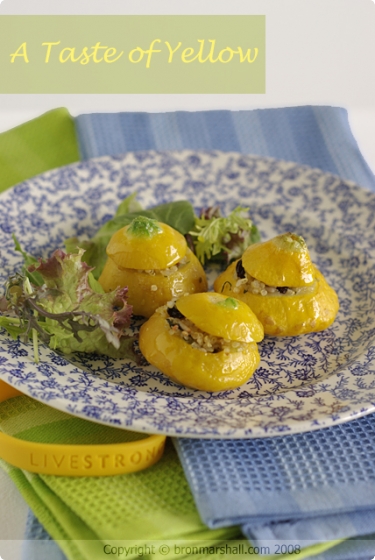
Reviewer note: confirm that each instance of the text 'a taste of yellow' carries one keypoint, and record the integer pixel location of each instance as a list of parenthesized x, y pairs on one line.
[(98, 53)]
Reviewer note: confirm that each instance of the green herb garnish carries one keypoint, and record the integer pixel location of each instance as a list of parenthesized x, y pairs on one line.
[(142, 226), (228, 303)]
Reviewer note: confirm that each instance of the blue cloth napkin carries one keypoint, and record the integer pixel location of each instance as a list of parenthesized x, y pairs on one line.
[(257, 486), (38, 545), (303, 488), (312, 530), (315, 136)]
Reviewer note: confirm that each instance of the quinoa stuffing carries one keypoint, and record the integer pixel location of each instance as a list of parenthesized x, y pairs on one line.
[(182, 327), (249, 284), (166, 271)]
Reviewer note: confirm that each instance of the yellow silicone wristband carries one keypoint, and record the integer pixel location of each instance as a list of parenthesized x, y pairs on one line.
[(78, 460)]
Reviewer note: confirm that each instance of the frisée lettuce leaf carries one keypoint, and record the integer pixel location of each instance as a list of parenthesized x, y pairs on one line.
[(223, 238)]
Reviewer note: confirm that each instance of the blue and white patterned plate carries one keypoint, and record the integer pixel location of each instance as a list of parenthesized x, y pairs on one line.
[(302, 383)]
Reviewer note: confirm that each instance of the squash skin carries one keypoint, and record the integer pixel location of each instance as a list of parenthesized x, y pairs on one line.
[(160, 250), (281, 261), (286, 315), (189, 278), (211, 313), (191, 367)]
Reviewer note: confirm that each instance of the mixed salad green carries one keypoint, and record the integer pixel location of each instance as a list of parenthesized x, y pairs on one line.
[(61, 302)]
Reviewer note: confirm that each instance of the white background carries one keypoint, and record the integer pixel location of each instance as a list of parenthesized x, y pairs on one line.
[(319, 52)]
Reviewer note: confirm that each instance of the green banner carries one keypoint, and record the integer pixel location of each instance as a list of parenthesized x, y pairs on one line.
[(132, 54)]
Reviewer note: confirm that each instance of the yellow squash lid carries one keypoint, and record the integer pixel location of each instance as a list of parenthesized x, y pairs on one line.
[(146, 244), (281, 261), (222, 316)]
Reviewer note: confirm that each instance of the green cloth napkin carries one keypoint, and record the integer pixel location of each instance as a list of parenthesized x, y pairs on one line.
[(84, 514), (44, 143)]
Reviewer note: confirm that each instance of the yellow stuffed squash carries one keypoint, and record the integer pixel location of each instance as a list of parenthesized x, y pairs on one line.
[(205, 341), (154, 262), (278, 281)]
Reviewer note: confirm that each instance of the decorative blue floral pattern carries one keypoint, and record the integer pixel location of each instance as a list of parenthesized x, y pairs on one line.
[(302, 383)]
